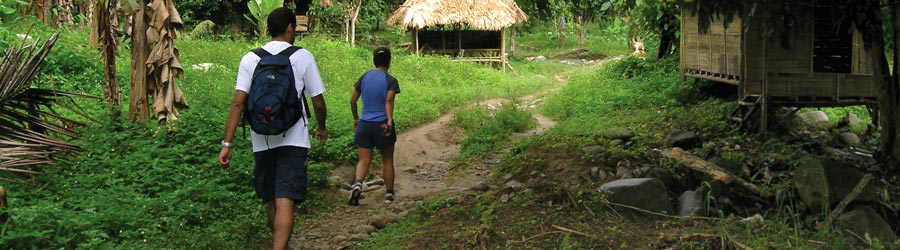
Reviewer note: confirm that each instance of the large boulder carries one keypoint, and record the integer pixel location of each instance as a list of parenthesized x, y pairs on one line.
[(849, 138), (864, 220), (814, 119), (826, 182), (683, 139), (645, 193)]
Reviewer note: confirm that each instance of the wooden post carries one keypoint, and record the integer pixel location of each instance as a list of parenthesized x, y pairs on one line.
[(765, 90), (681, 42), (459, 41), (503, 49), (416, 40), (138, 106)]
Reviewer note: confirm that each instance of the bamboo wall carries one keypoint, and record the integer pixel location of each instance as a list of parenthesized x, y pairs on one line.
[(715, 54)]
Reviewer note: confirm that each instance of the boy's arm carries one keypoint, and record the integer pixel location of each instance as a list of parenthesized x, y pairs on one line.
[(389, 107)]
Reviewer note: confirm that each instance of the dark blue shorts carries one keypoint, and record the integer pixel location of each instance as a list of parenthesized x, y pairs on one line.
[(280, 173), (368, 135)]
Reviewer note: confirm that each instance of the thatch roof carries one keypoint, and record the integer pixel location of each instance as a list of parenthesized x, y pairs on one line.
[(480, 14)]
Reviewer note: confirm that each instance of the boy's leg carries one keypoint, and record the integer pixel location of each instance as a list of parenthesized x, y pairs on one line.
[(284, 222), (387, 159), (365, 158)]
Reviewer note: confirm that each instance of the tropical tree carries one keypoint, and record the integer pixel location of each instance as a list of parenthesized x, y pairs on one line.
[(28, 115)]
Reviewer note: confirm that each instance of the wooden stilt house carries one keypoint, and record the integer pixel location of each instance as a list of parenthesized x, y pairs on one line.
[(818, 65), (471, 30)]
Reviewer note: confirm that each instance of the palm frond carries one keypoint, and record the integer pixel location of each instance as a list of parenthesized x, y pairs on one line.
[(30, 127)]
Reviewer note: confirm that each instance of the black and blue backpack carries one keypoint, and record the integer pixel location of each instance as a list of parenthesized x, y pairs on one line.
[(273, 105)]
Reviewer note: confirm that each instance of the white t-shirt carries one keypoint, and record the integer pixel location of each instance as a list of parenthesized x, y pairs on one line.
[(306, 76)]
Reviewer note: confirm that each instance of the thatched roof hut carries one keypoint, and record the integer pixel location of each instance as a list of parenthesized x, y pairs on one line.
[(489, 19), (484, 15)]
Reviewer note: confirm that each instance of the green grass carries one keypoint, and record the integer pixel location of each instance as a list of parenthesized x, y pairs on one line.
[(543, 39), (139, 186), (488, 129)]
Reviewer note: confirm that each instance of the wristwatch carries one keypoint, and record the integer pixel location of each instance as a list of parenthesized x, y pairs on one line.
[(226, 144)]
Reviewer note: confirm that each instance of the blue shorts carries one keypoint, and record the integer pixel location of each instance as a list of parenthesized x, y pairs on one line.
[(280, 173), (368, 135)]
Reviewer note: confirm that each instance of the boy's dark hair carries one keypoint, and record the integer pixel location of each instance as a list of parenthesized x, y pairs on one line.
[(280, 19), (382, 57)]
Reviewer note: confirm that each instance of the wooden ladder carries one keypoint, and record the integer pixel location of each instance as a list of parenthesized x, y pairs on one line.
[(745, 108)]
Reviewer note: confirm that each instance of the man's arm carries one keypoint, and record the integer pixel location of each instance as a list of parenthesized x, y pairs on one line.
[(321, 113), (354, 99), (234, 116)]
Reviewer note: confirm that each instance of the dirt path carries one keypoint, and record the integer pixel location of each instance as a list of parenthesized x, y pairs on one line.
[(423, 171)]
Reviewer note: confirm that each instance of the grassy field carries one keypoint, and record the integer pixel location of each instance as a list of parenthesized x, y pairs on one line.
[(139, 186)]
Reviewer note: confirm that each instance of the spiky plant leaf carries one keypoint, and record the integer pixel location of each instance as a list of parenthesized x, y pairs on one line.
[(32, 133)]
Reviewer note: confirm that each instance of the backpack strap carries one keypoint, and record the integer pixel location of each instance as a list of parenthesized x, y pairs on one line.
[(289, 51), (261, 52)]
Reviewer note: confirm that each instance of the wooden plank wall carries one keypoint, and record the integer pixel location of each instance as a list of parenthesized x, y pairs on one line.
[(862, 65)]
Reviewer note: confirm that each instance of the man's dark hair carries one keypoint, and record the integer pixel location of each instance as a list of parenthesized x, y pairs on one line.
[(382, 57), (280, 19)]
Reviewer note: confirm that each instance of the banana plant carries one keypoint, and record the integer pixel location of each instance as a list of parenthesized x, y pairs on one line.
[(259, 12), (8, 9)]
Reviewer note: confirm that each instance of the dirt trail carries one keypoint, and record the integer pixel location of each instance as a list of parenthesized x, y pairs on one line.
[(423, 171)]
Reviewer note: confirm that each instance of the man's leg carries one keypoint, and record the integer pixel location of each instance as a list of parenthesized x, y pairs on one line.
[(284, 222), (270, 213)]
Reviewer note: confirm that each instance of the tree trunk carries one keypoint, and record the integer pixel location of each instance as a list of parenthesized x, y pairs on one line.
[(108, 43), (93, 9), (890, 98), (353, 18), (667, 39), (45, 12), (581, 31), (562, 28), (138, 106)]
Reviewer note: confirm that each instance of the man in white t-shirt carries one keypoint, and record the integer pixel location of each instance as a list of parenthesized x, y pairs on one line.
[(279, 174)]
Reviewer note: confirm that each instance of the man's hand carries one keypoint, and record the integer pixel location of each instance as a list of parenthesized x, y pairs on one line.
[(355, 122), (225, 157), (322, 134)]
